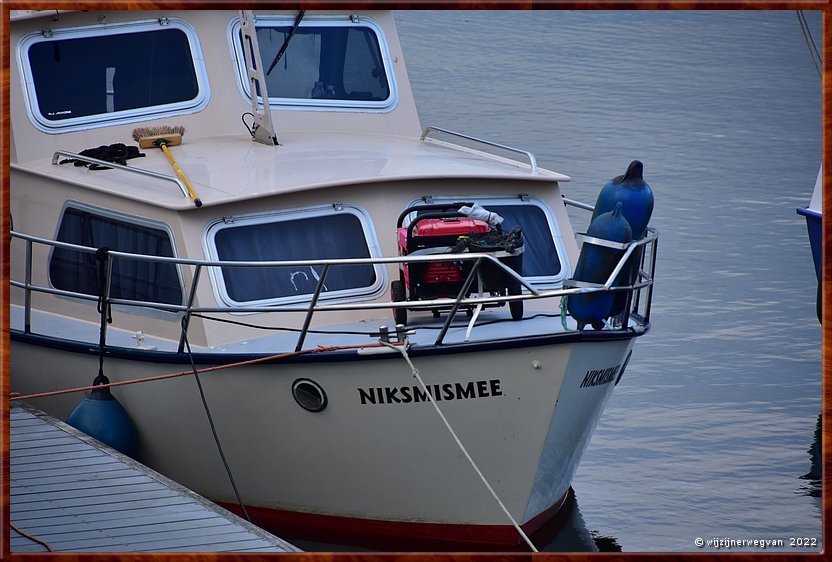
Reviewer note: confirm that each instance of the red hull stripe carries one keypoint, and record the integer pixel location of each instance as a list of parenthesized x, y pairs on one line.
[(334, 529)]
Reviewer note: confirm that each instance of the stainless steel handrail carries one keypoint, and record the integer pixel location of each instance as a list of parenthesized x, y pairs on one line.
[(492, 257), (149, 173), (526, 153), (578, 204), (644, 280)]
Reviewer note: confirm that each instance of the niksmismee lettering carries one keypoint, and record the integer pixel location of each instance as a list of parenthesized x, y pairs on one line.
[(439, 392), (597, 377)]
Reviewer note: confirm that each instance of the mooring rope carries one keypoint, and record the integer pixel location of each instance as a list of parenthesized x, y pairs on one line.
[(810, 42), (415, 372), (319, 349), (211, 422), (33, 538)]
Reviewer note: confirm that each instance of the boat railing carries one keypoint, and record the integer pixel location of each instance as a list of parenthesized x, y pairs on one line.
[(526, 153), (133, 170), (638, 307), (578, 204), (645, 249)]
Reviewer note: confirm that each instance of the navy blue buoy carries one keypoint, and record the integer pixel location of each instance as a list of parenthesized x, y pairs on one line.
[(636, 198), (100, 415), (595, 265), (633, 193)]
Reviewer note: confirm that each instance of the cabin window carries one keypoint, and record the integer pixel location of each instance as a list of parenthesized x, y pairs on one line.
[(94, 76), (327, 63), (139, 280), (312, 234), (542, 263), (540, 258)]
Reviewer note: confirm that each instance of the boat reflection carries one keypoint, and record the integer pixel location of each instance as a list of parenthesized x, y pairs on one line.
[(813, 485), (571, 533)]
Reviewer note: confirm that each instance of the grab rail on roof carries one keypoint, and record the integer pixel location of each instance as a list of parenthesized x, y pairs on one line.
[(526, 153), (131, 169)]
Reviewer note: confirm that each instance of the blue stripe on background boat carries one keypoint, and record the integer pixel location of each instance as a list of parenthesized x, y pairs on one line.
[(814, 225)]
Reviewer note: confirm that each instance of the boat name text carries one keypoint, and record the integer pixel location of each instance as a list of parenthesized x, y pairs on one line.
[(597, 377), (439, 392)]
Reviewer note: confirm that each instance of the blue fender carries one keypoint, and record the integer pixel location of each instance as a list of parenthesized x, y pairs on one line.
[(595, 265), (633, 193), (636, 199), (101, 416)]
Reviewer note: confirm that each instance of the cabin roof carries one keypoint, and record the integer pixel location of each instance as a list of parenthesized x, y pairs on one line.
[(227, 169)]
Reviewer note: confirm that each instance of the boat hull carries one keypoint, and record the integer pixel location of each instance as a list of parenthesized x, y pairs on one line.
[(378, 452), (397, 535), (814, 226)]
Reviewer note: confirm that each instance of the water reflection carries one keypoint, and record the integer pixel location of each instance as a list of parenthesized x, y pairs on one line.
[(569, 533), (813, 486)]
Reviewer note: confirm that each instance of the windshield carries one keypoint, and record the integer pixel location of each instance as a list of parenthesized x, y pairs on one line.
[(327, 63)]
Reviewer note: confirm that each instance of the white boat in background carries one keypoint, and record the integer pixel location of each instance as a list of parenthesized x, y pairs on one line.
[(814, 220), (465, 422)]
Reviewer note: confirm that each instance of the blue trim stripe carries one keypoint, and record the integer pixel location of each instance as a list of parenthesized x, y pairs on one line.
[(807, 212), (172, 357)]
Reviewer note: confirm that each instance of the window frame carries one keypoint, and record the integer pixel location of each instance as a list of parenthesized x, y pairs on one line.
[(341, 296), (323, 104), (86, 122), (127, 218), (538, 281)]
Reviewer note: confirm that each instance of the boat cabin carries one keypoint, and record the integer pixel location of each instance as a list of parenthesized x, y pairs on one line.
[(350, 156)]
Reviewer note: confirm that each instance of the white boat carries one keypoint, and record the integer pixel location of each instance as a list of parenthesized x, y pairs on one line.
[(328, 414), (814, 220)]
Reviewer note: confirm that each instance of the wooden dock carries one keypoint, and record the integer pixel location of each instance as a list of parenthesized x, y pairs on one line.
[(75, 494)]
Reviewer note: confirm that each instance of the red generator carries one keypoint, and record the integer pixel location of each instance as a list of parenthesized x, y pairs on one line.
[(441, 229)]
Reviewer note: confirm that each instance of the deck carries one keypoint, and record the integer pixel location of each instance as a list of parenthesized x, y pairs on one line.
[(78, 495)]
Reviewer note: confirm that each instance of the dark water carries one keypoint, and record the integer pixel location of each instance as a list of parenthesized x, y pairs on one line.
[(708, 433)]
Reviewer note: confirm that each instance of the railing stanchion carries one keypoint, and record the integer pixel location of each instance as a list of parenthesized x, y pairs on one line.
[(459, 297), (27, 308), (649, 304), (186, 319), (312, 305)]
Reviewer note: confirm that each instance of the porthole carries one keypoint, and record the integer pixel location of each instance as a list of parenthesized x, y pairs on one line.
[(309, 395)]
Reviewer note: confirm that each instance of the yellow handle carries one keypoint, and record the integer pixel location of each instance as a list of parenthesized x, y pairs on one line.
[(180, 173)]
